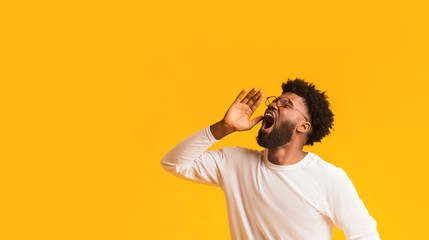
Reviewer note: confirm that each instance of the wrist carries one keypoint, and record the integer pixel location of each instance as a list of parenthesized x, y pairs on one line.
[(221, 129)]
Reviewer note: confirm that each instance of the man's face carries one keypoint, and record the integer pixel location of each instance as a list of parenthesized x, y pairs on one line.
[(280, 123)]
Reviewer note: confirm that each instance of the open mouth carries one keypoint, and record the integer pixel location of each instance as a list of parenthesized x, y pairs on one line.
[(268, 120)]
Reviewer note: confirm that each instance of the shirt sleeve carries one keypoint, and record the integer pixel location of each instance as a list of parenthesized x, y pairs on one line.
[(348, 211), (190, 159)]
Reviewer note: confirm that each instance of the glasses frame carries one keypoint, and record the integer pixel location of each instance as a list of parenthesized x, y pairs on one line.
[(276, 101)]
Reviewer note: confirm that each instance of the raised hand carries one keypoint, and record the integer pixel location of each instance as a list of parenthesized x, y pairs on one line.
[(238, 115), (237, 118)]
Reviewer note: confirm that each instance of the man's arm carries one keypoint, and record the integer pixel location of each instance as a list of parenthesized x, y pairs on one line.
[(348, 211), (190, 160), (220, 130)]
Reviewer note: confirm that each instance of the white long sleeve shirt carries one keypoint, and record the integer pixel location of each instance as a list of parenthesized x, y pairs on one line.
[(301, 201)]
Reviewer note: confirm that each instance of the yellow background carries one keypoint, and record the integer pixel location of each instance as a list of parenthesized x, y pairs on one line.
[(94, 93)]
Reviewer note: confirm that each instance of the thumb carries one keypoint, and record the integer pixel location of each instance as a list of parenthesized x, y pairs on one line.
[(255, 121)]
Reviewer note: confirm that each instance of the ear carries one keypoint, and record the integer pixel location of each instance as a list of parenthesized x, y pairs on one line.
[(304, 127)]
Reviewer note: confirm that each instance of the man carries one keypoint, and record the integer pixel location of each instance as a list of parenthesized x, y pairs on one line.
[(280, 192)]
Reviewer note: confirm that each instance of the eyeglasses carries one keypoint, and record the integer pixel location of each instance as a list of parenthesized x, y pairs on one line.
[(282, 102)]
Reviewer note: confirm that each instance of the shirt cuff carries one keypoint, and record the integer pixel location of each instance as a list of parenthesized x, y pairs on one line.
[(210, 135)]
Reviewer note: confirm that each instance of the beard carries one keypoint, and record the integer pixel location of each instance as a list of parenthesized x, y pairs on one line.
[(277, 137)]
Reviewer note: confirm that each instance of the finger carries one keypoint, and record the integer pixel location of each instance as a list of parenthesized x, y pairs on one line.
[(257, 103), (237, 100), (255, 121), (249, 95), (254, 98)]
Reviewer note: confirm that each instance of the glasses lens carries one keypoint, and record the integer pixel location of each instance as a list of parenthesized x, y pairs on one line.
[(283, 102)]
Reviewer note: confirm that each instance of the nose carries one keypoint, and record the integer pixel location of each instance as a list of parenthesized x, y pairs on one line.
[(273, 106)]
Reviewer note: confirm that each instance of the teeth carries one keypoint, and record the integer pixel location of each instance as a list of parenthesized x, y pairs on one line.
[(269, 114)]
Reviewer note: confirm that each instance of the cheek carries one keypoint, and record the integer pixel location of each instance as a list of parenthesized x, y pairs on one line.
[(283, 119), (291, 117)]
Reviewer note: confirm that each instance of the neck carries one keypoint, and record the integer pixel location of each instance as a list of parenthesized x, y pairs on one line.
[(287, 154)]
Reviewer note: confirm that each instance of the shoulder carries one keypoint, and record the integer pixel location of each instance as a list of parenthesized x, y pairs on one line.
[(236, 151), (242, 151), (332, 179), (326, 170), (237, 155)]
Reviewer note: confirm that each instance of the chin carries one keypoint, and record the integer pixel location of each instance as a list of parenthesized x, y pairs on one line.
[(275, 137)]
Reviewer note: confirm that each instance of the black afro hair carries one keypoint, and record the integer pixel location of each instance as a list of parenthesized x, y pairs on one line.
[(321, 116)]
